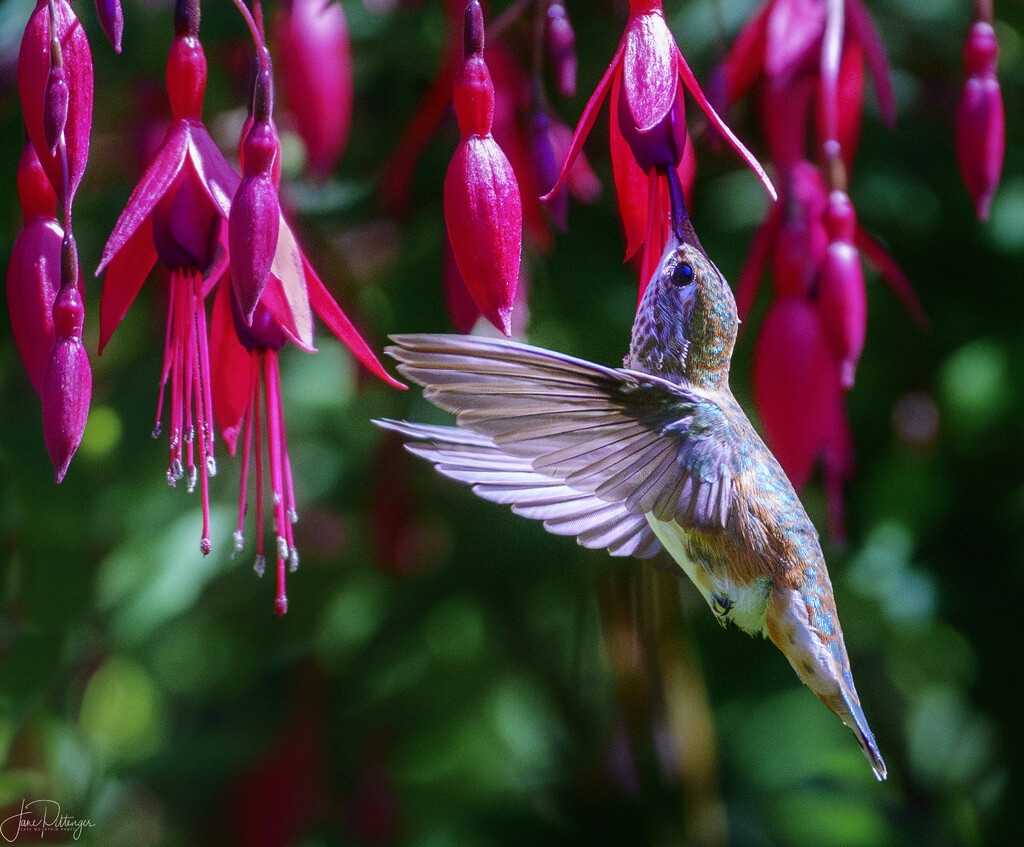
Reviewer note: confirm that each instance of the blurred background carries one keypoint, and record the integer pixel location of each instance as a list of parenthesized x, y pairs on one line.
[(448, 673)]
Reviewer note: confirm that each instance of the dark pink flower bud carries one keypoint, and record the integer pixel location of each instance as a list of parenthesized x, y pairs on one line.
[(796, 387), (561, 44), (67, 385), (55, 100), (254, 221), (842, 301), (315, 66), (186, 78), (546, 166), (980, 123), (112, 20), (482, 206), (462, 309), (33, 275), (34, 66)]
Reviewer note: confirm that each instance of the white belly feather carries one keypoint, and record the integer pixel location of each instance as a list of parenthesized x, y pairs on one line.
[(742, 605)]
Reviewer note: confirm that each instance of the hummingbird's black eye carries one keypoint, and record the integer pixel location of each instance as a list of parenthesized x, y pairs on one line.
[(682, 274)]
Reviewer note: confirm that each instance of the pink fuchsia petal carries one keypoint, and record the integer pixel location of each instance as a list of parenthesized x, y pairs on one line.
[(187, 227), (33, 277), (253, 224), (745, 61), (980, 121), (229, 369), (792, 37), (842, 300), (33, 73), (111, 20), (286, 294), (315, 68), (484, 215), (891, 272), (862, 28), (796, 385), (127, 271), (155, 183), (649, 74), (338, 323), (690, 81), (630, 183)]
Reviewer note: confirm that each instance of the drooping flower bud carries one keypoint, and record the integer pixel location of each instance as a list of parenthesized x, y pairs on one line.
[(980, 123), (112, 20), (561, 45), (67, 385), (482, 206), (842, 301), (55, 99), (254, 222), (42, 93), (33, 275), (316, 74)]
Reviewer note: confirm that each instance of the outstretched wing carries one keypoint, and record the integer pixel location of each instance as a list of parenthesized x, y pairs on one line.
[(638, 442), (501, 478)]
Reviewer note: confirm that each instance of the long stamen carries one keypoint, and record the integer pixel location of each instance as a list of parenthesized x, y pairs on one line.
[(289, 506), (261, 559), (206, 412), (272, 386), (246, 450)]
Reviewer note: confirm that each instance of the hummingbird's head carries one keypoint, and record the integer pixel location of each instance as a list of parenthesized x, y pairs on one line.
[(686, 323)]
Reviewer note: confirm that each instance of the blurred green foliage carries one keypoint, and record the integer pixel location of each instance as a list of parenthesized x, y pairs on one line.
[(449, 674)]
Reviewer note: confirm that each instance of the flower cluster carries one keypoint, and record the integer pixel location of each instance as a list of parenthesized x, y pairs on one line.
[(221, 236), (807, 61), (44, 286), (508, 155)]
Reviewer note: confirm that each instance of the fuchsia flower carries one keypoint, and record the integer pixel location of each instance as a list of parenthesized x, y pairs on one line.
[(482, 207), (646, 78), (55, 86), (316, 76), (782, 47), (177, 213), (980, 123)]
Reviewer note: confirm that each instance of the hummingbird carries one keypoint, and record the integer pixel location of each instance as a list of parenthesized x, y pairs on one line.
[(656, 455)]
